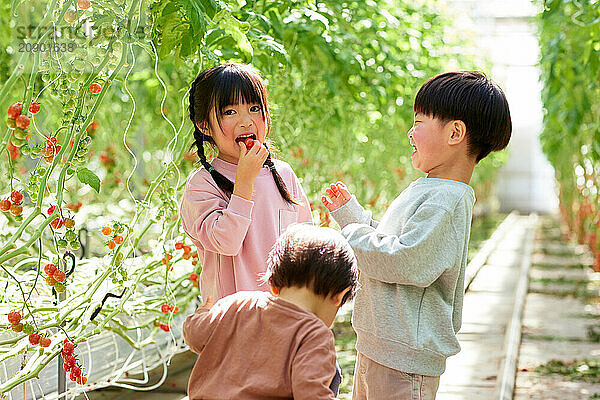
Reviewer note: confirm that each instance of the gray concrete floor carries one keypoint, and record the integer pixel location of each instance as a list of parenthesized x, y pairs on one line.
[(472, 373)]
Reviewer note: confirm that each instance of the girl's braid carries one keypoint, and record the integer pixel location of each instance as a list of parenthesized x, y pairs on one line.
[(222, 182), (278, 180)]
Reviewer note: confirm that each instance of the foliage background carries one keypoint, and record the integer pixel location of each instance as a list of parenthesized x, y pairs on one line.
[(569, 33)]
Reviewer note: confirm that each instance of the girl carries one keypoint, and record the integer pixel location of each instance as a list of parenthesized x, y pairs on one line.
[(235, 207)]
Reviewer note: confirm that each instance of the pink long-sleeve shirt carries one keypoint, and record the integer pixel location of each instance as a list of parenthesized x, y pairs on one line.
[(234, 235), (254, 346)]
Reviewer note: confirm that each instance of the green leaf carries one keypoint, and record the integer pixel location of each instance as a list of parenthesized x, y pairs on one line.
[(233, 27), (170, 37), (197, 15), (89, 178)]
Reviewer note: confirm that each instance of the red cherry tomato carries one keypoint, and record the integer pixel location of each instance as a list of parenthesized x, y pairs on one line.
[(249, 142), (34, 108), (22, 122), (15, 110), (16, 196), (95, 88), (5, 205)]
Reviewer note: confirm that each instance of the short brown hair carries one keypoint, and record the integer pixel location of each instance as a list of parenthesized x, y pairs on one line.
[(318, 258)]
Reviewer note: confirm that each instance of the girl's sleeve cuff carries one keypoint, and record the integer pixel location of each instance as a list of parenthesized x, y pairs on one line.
[(240, 206)]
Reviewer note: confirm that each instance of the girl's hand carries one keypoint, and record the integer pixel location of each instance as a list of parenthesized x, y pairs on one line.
[(338, 196), (248, 167)]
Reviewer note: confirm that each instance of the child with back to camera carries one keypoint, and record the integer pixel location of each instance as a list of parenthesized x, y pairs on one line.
[(235, 207), (255, 345), (412, 263)]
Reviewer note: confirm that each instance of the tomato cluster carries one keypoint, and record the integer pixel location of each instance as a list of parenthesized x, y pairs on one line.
[(70, 363), (13, 204), (163, 326), (36, 338), (14, 317), (57, 222), (167, 259), (55, 277), (187, 252), (114, 234), (166, 308), (52, 149), (194, 279), (19, 123), (70, 237)]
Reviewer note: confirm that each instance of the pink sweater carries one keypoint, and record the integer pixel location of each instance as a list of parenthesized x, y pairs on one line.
[(254, 346), (232, 235)]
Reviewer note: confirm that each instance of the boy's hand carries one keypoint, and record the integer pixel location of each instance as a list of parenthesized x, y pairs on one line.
[(249, 165), (338, 196), (208, 303)]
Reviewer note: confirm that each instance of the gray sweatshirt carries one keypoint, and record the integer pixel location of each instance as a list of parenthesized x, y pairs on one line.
[(408, 308)]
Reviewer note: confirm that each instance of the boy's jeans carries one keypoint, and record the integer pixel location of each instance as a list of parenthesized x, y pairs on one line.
[(373, 381)]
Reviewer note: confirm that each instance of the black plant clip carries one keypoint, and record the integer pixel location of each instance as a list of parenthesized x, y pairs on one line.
[(99, 308), (72, 257)]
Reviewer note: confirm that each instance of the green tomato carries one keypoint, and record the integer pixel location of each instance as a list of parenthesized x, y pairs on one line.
[(28, 329), (20, 133), (18, 142), (74, 76), (74, 245), (70, 235), (35, 152), (60, 287), (62, 244)]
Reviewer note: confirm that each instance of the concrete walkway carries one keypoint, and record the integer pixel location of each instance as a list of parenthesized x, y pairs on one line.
[(561, 321), (488, 306)]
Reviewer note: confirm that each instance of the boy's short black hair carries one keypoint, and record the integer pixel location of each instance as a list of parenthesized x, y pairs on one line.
[(314, 257), (472, 98)]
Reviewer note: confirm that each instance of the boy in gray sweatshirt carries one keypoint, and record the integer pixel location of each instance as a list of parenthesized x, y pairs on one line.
[(408, 308)]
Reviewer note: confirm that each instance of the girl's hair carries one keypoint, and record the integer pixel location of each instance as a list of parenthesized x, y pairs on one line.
[(317, 258), (219, 87)]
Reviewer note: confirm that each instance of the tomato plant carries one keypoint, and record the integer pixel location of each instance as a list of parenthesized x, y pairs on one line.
[(570, 65)]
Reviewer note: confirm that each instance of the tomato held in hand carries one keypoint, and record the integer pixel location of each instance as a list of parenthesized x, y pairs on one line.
[(249, 142)]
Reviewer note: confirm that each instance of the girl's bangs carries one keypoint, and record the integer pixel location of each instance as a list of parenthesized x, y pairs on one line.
[(235, 86)]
